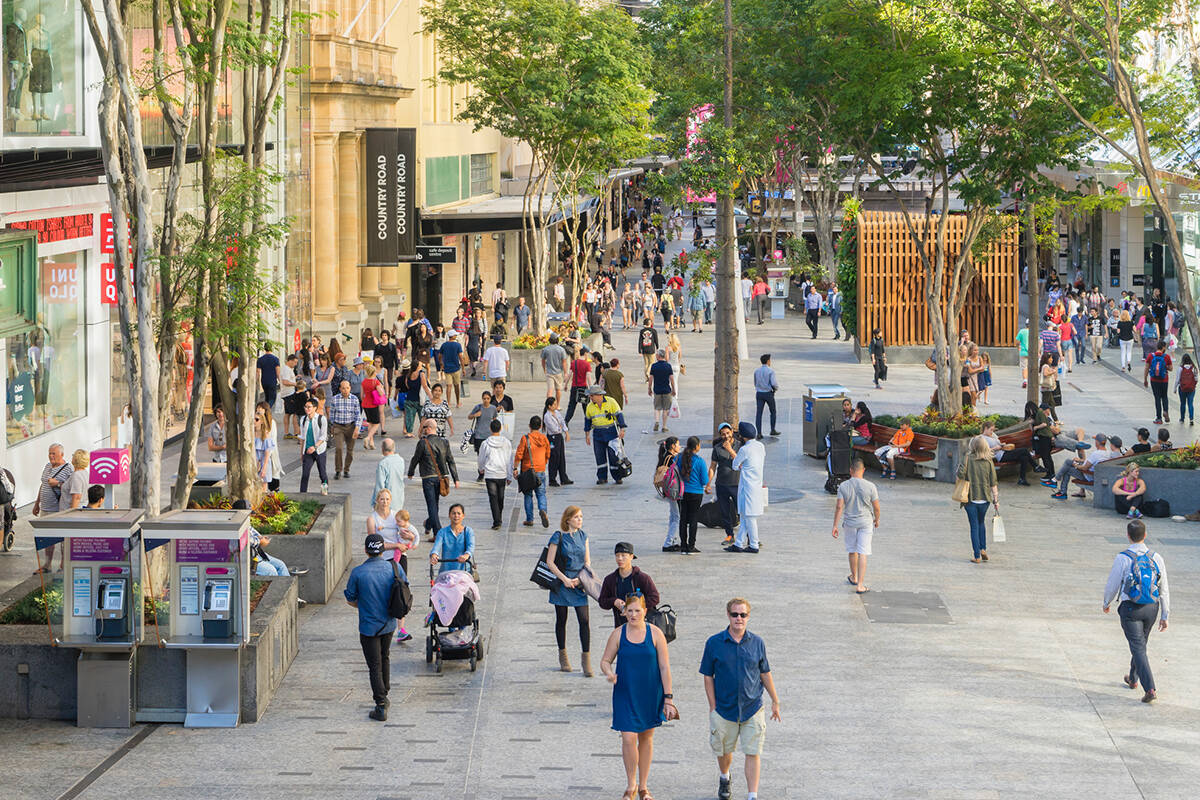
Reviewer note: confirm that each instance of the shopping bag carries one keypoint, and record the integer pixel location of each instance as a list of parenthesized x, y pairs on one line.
[(508, 423), (674, 412), (997, 529), (962, 491)]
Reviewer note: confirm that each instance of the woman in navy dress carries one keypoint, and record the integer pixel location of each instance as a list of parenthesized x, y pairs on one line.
[(567, 555), (641, 695)]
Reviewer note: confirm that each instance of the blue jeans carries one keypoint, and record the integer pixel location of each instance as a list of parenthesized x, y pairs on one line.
[(836, 318), (1186, 408), (605, 457), (708, 312), (540, 491), (271, 567), (1077, 343), (672, 522), (429, 487), (977, 516)]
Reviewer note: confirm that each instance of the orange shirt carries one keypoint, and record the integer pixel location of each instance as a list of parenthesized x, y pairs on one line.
[(533, 451), (902, 439)]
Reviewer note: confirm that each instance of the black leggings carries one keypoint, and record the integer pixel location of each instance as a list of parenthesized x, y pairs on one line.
[(1042, 446), (560, 627), (689, 517)]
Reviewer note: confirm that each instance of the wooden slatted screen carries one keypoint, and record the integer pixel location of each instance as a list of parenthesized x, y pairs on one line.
[(891, 284)]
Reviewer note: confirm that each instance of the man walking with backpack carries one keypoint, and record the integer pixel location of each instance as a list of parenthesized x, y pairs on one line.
[(1139, 576), (1156, 375)]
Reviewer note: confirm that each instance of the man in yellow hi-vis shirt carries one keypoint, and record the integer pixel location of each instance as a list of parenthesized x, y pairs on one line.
[(603, 422)]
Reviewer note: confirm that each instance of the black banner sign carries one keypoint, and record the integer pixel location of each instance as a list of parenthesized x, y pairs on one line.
[(390, 192)]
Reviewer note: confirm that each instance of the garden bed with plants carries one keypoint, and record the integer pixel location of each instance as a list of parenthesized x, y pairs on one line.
[(533, 341), (961, 426), (277, 514), (31, 608)]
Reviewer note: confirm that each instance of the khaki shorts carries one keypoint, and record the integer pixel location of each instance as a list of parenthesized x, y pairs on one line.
[(556, 383), (662, 402), (1023, 361), (723, 735)]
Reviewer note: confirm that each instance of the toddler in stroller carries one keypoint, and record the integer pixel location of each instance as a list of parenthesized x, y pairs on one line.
[(453, 623)]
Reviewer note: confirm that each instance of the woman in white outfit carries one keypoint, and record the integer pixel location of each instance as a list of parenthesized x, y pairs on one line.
[(751, 493)]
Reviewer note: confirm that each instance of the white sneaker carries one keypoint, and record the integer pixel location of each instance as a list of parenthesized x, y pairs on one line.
[(324, 488)]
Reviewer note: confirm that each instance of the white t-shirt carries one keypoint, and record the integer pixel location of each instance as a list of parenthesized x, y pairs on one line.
[(747, 285), (286, 374), (496, 359)]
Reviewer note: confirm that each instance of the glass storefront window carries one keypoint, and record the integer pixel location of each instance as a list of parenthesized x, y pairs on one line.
[(47, 366), (42, 66)]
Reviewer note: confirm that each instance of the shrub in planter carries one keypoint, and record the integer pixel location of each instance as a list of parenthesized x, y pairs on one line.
[(275, 514), (1181, 458), (961, 426)]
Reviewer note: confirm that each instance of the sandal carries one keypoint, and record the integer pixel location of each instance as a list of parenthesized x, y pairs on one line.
[(630, 794), (644, 794)]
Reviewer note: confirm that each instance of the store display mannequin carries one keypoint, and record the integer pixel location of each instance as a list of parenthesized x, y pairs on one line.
[(17, 54), (41, 68)]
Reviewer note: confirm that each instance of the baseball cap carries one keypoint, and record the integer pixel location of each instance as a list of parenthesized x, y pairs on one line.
[(452, 334), (624, 547), (374, 544), (723, 426), (594, 389), (1116, 442), (1101, 438)]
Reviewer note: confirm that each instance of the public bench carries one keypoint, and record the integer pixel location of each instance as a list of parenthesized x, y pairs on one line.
[(922, 449)]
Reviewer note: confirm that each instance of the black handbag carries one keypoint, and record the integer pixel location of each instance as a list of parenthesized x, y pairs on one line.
[(400, 602), (542, 575), (664, 618), (1156, 508), (527, 479)]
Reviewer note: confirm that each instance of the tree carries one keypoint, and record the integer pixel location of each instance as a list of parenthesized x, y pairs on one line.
[(174, 257), (564, 78), (1095, 44)]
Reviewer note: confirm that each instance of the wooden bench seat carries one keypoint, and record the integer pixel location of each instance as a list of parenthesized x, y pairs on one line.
[(922, 449)]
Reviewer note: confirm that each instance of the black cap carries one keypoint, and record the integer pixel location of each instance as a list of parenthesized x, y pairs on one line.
[(624, 547), (374, 544)]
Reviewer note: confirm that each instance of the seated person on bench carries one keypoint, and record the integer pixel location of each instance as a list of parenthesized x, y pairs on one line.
[(898, 446)]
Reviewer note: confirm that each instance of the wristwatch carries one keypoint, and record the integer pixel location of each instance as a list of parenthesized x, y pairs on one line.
[(669, 696)]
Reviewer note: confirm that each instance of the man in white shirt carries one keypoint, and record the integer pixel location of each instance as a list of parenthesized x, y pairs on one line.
[(1139, 578), (858, 512), (495, 360), (747, 287), (287, 384)]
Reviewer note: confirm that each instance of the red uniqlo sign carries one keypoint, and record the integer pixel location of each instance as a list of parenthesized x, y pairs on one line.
[(108, 283), (106, 234)]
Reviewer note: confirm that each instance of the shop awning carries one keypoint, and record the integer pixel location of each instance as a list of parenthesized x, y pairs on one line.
[(490, 215), (54, 167)]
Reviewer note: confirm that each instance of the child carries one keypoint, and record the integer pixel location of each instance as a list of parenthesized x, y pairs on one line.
[(407, 538), (1164, 440), (897, 446), (985, 378), (1143, 441)]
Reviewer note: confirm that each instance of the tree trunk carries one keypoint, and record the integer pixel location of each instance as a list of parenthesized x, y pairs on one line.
[(726, 366), (1034, 345)]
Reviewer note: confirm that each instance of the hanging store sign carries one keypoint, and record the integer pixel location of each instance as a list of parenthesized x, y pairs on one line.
[(391, 155)]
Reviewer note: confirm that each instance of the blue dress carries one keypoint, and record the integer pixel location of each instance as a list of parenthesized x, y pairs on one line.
[(637, 696), (574, 548)]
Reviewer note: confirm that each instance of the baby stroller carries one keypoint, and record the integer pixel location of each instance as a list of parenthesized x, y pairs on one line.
[(458, 640), (837, 459), (8, 489)]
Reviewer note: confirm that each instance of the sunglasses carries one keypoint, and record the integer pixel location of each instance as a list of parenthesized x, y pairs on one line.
[(739, 614)]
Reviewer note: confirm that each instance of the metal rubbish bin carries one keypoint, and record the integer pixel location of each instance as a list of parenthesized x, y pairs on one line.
[(822, 411)]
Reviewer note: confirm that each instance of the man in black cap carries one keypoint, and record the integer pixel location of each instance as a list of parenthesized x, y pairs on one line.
[(369, 589), (625, 580)]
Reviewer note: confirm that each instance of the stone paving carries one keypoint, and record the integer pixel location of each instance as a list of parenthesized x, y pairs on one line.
[(1010, 689)]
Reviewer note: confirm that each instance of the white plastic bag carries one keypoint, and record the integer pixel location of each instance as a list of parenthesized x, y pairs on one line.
[(998, 529), (674, 412)]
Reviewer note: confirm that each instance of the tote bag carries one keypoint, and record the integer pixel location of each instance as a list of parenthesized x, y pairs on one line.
[(998, 534)]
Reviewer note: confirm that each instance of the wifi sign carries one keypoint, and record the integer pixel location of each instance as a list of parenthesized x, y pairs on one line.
[(110, 466)]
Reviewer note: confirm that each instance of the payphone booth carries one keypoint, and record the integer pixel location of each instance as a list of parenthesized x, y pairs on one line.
[(777, 280), (102, 606), (209, 573)]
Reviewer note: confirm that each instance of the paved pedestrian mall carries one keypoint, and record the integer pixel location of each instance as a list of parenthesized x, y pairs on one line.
[(949, 680)]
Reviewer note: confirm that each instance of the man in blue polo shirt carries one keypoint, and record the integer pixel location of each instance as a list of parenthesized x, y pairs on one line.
[(369, 589), (735, 670)]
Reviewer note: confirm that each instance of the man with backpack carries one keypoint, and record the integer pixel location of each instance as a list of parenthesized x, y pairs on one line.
[(648, 343), (369, 589), (1139, 576), (1156, 374)]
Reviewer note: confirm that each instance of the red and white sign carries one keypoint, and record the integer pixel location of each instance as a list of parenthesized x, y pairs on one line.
[(109, 466), (108, 283), (60, 281), (296, 341), (106, 234), (777, 255)]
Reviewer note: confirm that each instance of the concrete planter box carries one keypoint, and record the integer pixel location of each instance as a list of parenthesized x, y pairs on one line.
[(325, 550), (950, 453), (525, 365), (43, 683), (1176, 486)]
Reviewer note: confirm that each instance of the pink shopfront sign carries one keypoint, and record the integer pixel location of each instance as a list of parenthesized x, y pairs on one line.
[(97, 548), (200, 551), (109, 466)]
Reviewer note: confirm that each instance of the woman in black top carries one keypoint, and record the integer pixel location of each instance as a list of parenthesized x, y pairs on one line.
[(386, 350), (368, 341), (1125, 337), (435, 461), (1043, 439), (476, 332)]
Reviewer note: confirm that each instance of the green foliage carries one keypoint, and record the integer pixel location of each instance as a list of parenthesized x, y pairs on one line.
[(275, 513), (1181, 458), (31, 609), (960, 426), (847, 266)]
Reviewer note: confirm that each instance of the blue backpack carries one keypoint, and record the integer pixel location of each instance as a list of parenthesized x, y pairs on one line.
[(1158, 366), (1142, 582)]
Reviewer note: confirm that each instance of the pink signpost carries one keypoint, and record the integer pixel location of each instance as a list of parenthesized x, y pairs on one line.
[(110, 467)]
